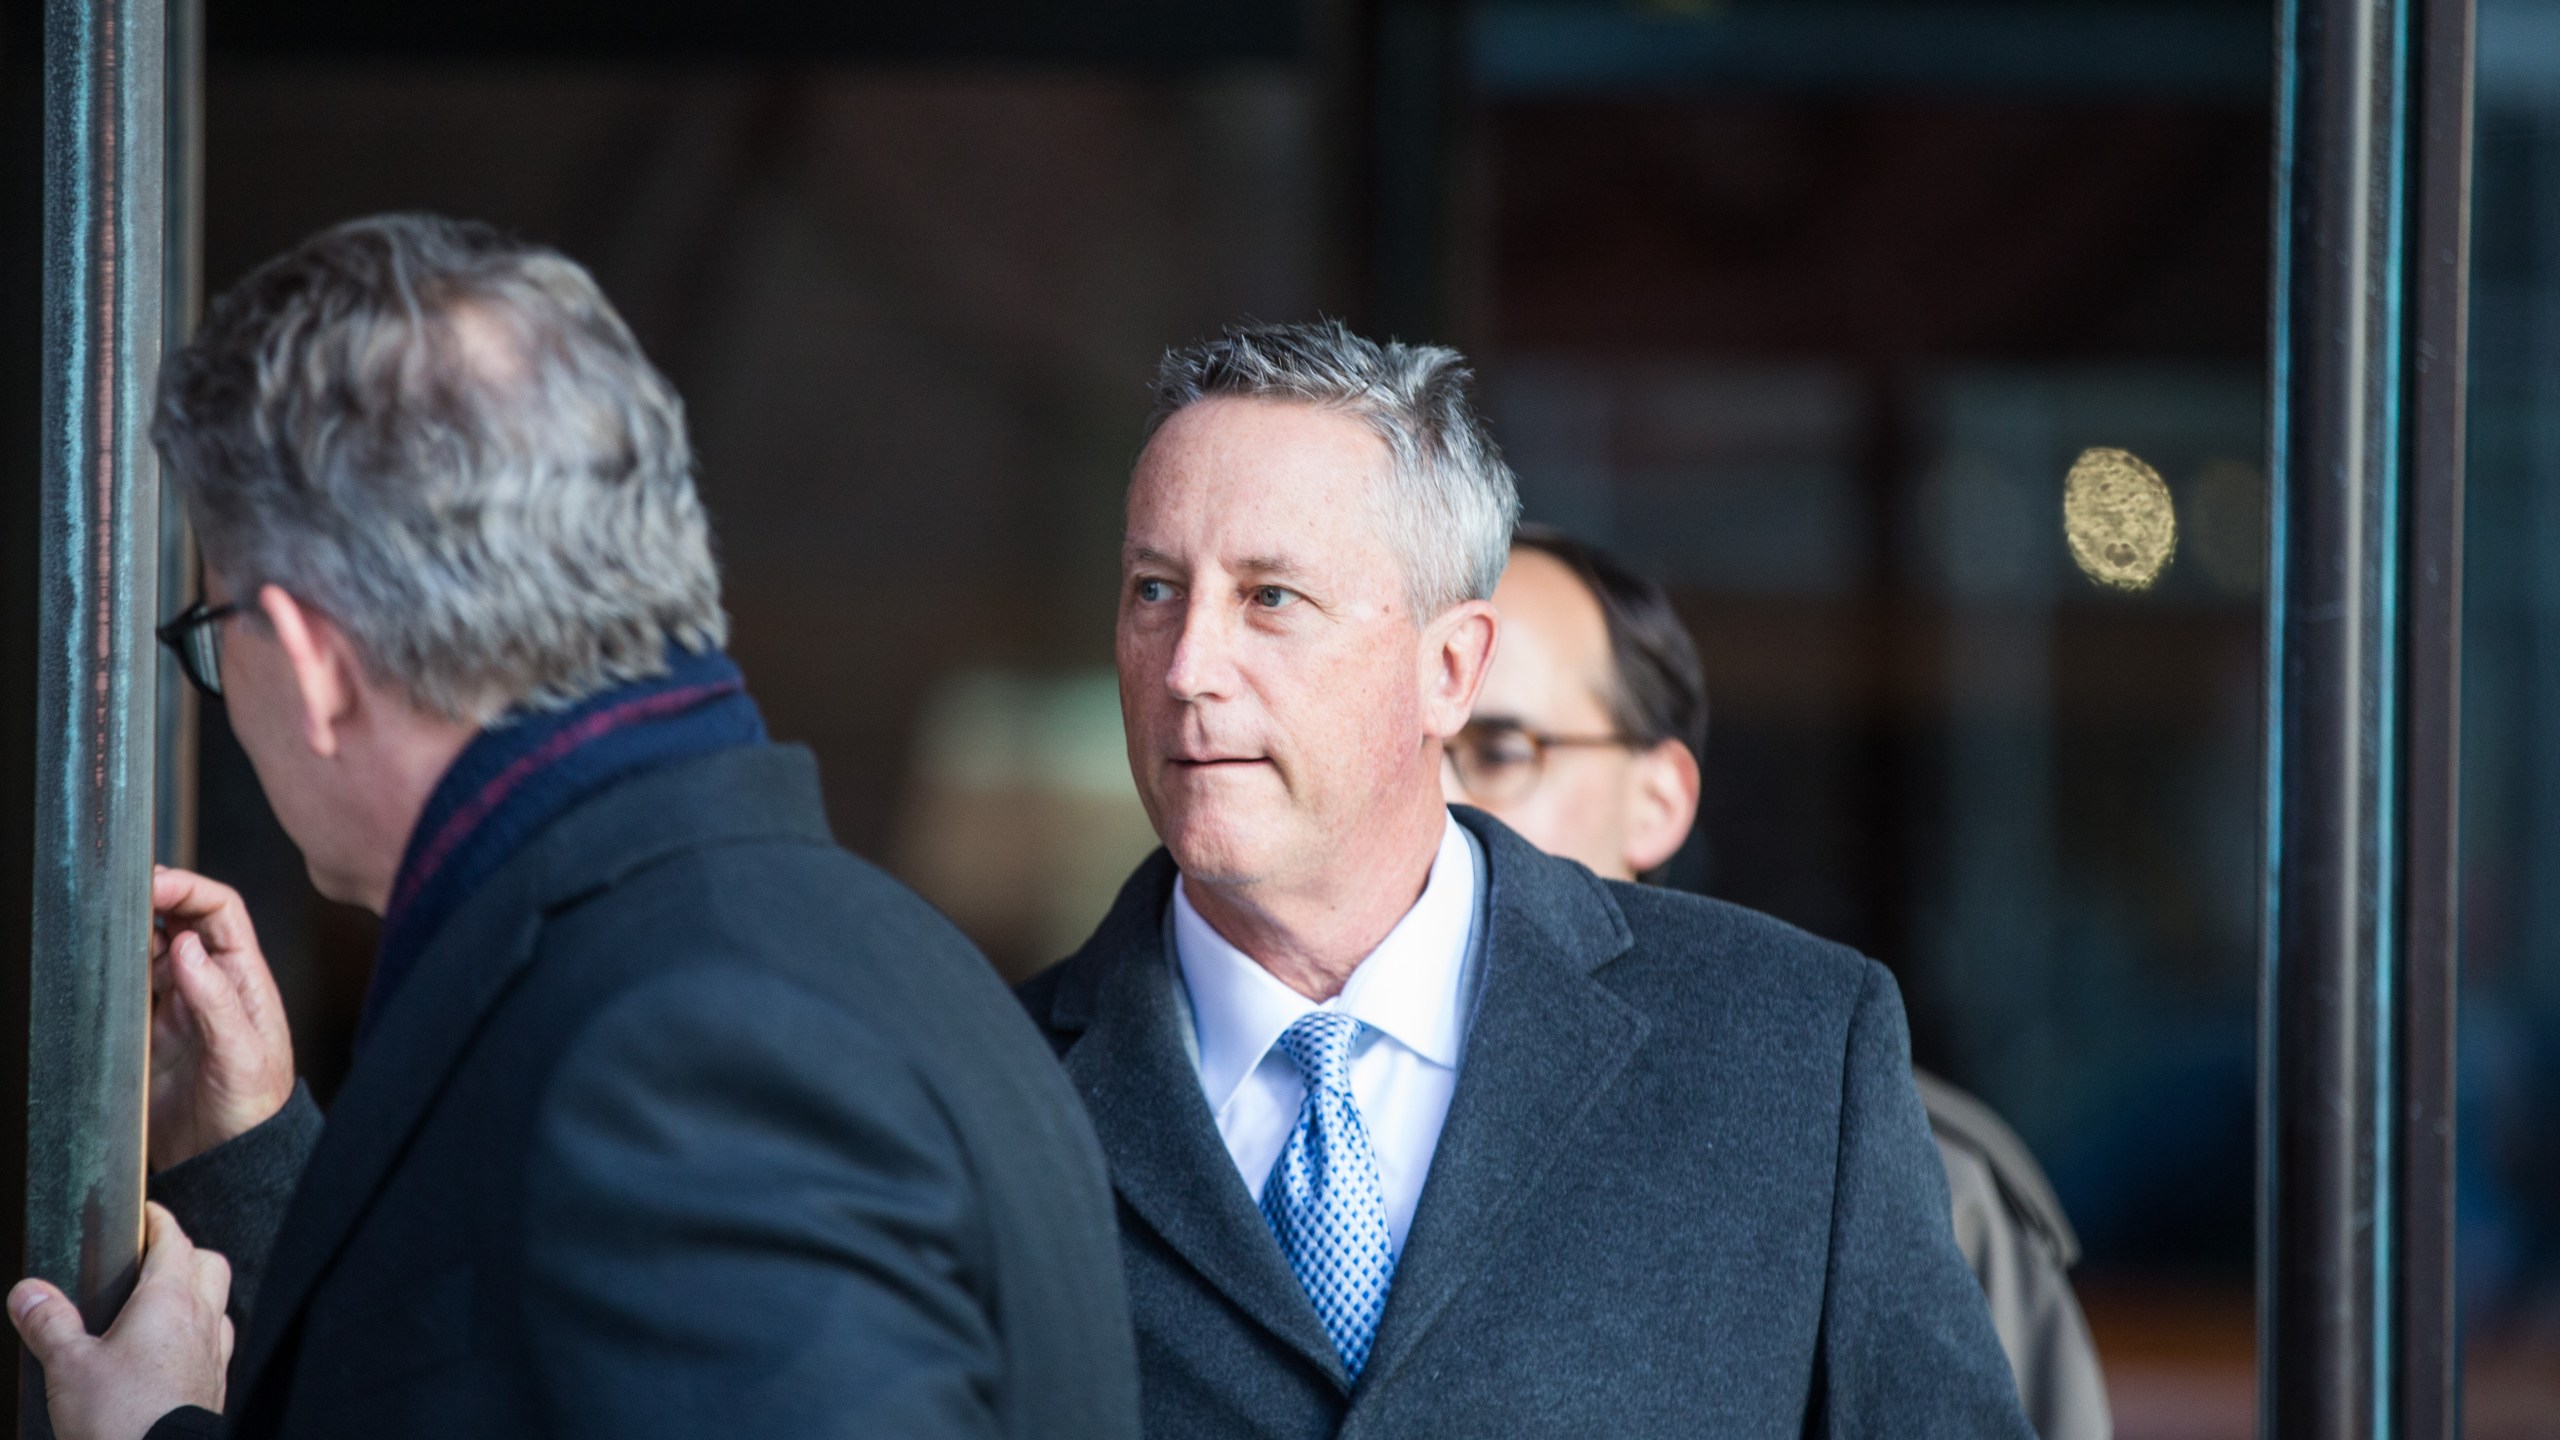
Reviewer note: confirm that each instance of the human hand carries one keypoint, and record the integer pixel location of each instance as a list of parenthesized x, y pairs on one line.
[(169, 1347), (221, 1056)]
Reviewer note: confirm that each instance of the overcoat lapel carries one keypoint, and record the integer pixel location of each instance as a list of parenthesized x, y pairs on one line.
[(1142, 1091), (1546, 1042), (756, 790), (405, 1064)]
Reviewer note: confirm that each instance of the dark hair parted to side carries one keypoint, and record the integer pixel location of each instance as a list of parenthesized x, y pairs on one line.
[(446, 441), (1660, 689)]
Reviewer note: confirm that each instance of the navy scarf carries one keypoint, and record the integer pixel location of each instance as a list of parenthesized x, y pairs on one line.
[(521, 774)]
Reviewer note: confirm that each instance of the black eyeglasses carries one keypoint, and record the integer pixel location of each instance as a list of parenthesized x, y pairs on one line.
[(1498, 762), (193, 638)]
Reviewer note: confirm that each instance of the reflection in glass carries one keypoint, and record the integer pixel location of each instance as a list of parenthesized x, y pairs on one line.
[(2117, 514)]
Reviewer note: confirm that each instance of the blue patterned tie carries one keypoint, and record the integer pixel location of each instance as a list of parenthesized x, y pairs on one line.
[(1323, 1199)]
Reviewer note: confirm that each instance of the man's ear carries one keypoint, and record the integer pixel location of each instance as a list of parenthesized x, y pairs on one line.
[(322, 662), (1664, 805), (1457, 653)]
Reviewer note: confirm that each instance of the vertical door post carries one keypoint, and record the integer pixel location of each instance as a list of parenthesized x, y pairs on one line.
[(182, 295), (89, 989), (2363, 626), (2428, 1363)]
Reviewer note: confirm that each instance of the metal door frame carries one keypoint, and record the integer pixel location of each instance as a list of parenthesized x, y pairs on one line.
[(2372, 200)]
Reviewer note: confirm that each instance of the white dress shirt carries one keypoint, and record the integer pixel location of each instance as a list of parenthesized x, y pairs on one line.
[(1412, 993)]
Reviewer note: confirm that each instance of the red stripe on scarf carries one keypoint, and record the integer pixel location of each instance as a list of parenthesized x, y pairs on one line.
[(491, 796)]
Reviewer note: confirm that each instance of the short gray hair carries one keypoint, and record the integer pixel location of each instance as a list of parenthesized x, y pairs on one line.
[(1450, 503), (446, 441)]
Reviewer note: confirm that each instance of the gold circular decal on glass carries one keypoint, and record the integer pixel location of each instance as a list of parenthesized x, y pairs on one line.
[(2117, 515)]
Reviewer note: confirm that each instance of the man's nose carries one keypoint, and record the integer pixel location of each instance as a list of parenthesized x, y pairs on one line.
[(1202, 666)]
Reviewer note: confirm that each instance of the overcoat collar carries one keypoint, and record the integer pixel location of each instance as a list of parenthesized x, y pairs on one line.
[(1546, 1041), (1133, 1067), (747, 793)]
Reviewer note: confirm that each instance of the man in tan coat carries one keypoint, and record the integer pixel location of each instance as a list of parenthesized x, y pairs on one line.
[(1585, 740)]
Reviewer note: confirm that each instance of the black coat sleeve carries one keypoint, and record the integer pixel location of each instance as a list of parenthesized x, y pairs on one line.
[(746, 1215), (1908, 1350), (232, 1198)]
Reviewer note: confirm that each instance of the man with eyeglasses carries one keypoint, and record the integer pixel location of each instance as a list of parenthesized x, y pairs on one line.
[(1586, 739), (1587, 735), (667, 1117)]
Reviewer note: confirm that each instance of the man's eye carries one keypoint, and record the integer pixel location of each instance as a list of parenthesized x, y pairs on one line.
[(1271, 597), (1150, 591)]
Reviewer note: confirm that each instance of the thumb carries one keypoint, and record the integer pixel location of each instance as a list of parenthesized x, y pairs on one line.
[(212, 1280), (48, 1322), (207, 991), (164, 1241), (210, 1005)]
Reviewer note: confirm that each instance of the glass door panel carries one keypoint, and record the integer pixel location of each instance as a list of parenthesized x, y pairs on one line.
[(2507, 1169), (1812, 314)]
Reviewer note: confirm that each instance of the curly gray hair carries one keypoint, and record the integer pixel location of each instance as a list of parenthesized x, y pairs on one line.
[(448, 442), (1450, 504)]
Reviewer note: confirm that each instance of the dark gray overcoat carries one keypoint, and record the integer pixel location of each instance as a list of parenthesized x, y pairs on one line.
[(1685, 1188)]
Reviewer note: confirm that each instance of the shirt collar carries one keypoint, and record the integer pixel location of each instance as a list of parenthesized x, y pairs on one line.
[(1410, 988)]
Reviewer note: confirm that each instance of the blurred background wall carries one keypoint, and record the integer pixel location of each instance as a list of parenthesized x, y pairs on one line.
[(1806, 308)]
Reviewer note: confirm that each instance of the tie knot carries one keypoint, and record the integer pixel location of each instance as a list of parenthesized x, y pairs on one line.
[(1319, 1044)]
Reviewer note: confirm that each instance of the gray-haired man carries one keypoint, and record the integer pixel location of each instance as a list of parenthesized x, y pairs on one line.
[(667, 1117), (1416, 1129)]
